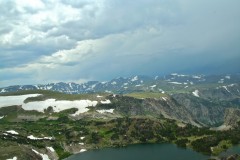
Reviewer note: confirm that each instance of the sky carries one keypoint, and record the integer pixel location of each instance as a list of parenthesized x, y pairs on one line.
[(44, 41)]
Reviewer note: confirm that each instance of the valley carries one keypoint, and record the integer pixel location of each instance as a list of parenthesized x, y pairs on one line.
[(197, 112)]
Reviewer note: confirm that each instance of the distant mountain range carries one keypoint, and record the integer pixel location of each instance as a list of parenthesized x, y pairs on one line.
[(169, 83)]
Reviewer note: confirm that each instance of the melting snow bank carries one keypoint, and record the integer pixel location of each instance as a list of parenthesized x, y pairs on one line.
[(36, 138), (40, 106), (1, 117), (44, 156), (196, 93), (15, 100), (105, 111), (58, 106), (14, 158), (82, 138), (12, 132), (106, 101), (51, 149), (83, 150)]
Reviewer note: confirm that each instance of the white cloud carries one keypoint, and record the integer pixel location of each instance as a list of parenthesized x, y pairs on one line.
[(45, 40)]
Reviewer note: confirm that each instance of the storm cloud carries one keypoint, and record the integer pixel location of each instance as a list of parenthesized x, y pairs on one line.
[(45, 41)]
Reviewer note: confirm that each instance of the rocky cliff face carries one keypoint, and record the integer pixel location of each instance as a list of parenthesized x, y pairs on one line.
[(207, 111), (166, 107), (232, 117), (204, 111)]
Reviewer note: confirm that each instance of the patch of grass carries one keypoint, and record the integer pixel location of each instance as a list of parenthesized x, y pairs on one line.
[(55, 95), (223, 145), (144, 95)]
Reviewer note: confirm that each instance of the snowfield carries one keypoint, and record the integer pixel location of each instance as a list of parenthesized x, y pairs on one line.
[(60, 105), (40, 106), (14, 100)]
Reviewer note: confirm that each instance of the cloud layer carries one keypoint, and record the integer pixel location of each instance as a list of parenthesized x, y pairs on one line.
[(45, 41)]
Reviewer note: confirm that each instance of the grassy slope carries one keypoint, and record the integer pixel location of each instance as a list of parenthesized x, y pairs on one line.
[(144, 95)]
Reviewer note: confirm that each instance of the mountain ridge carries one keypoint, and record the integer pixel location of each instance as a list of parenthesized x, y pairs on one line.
[(123, 85)]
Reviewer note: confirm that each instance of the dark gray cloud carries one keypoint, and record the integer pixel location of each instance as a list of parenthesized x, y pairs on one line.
[(66, 40)]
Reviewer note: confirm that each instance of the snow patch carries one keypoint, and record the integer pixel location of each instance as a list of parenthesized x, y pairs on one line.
[(36, 86), (175, 82), (93, 86), (107, 91), (196, 77), (225, 87), (153, 86), (83, 150), (12, 132), (134, 78), (3, 90), (125, 84), (164, 98), (14, 158), (36, 138), (51, 149), (231, 85), (105, 111), (1, 117), (113, 83), (104, 82), (221, 81), (179, 75), (106, 101), (228, 77), (44, 156), (98, 96), (81, 144), (196, 93), (82, 138), (49, 87), (138, 85), (70, 85)]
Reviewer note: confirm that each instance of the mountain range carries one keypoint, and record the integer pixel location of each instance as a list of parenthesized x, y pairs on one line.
[(169, 83), (196, 99), (60, 119)]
